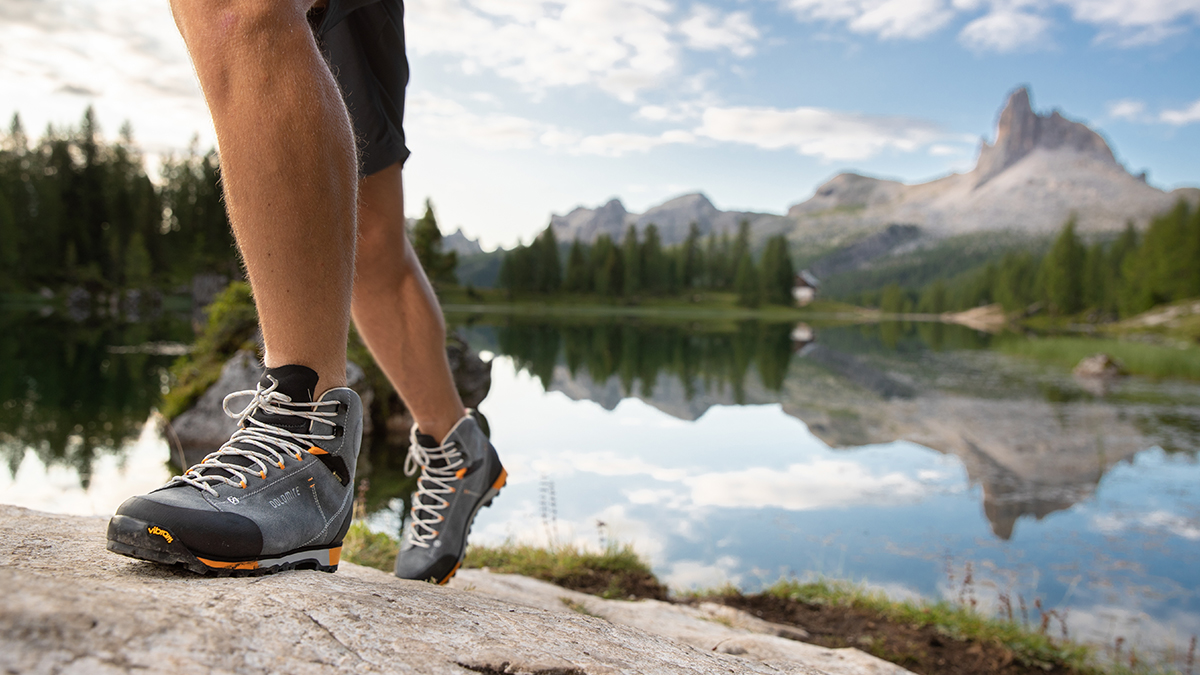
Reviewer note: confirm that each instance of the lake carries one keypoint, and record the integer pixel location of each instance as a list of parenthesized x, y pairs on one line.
[(920, 459)]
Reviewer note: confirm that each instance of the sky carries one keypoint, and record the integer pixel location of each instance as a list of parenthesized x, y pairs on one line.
[(518, 109)]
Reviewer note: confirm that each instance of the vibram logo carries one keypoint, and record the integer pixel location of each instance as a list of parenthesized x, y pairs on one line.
[(162, 533)]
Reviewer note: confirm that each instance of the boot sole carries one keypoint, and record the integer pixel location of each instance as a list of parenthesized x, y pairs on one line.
[(146, 541)]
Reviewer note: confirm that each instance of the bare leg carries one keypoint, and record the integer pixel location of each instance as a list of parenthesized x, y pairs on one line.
[(288, 167), (396, 311)]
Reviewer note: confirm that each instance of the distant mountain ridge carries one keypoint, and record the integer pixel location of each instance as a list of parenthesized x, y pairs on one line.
[(1039, 171), (672, 218)]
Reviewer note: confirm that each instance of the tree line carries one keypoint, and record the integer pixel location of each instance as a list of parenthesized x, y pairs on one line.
[(640, 265), (1111, 279), (75, 209)]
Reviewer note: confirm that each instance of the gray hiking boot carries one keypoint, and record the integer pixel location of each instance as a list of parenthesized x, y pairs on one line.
[(279, 495), (458, 478)]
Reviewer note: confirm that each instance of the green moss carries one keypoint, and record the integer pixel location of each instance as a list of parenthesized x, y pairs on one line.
[(232, 320)]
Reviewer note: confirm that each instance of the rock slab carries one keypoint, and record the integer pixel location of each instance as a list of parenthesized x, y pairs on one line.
[(69, 606)]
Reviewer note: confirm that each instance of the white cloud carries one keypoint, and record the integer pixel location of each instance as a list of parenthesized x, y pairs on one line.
[(1130, 23), (706, 29), (1127, 109), (621, 46), (1154, 521), (620, 144), (885, 18), (444, 118), (1006, 24), (1004, 30), (821, 484), (693, 574), (830, 135), (1188, 115), (943, 150), (434, 116)]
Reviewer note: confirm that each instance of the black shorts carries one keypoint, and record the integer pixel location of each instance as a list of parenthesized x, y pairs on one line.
[(363, 41)]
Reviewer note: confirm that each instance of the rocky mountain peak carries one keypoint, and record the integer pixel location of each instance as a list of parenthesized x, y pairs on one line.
[(1021, 130)]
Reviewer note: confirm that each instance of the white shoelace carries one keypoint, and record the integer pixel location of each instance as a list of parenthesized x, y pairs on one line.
[(433, 483), (269, 439)]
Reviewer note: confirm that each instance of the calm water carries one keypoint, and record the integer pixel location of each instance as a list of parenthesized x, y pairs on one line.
[(913, 458)]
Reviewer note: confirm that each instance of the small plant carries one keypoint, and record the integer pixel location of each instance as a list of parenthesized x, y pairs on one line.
[(369, 549)]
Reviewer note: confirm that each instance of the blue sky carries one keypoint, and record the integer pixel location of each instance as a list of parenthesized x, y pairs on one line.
[(518, 109)]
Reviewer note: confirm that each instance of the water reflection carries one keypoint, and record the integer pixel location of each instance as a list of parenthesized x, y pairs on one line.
[(1035, 441), (69, 393)]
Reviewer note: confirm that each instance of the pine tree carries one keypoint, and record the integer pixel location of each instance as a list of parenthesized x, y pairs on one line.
[(548, 269), (933, 299), (1062, 272), (745, 282), (778, 274), (631, 256), (653, 263), (579, 277), (690, 266), (427, 243)]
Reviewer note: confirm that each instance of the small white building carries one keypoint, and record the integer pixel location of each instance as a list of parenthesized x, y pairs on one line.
[(804, 288)]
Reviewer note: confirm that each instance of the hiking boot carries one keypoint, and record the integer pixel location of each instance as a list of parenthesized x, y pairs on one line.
[(278, 495), (458, 477)]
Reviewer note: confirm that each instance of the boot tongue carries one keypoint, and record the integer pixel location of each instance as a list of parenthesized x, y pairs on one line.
[(427, 441), (297, 383)]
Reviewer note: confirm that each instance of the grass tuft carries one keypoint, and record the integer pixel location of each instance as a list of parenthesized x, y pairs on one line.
[(369, 549), (1028, 646), (615, 573)]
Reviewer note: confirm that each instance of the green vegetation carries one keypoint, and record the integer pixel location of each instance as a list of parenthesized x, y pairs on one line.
[(427, 243), (618, 573), (640, 267), (67, 395), (615, 573), (1139, 358), (232, 321), (75, 210), (1026, 645), (1105, 280), (369, 549)]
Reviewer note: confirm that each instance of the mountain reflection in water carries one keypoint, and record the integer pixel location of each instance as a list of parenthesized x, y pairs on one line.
[(1031, 448)]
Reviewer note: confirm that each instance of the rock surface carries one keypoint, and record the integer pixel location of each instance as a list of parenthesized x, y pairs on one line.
[(708, 627), (69, 606)]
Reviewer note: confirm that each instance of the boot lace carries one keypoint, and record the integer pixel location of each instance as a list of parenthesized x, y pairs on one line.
[(268, 443), (429, 500)]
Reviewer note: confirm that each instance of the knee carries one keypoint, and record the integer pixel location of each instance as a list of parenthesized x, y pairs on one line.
[(215, 25), (382, 241)]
